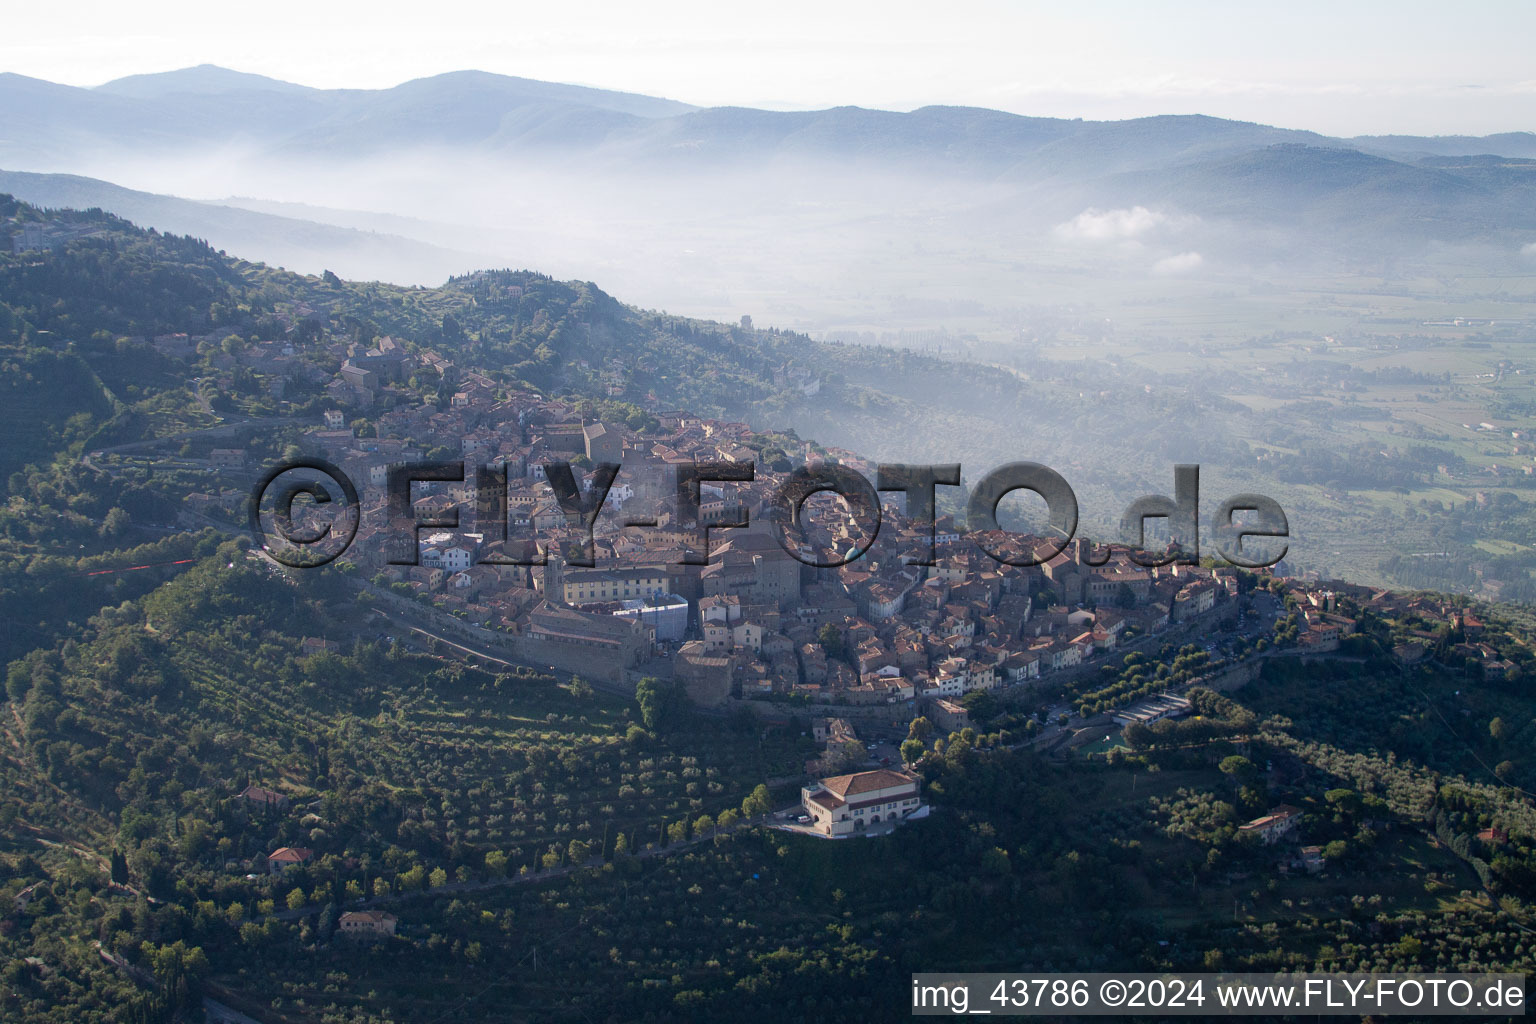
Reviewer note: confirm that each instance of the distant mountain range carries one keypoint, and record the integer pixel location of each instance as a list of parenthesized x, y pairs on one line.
[(211, 106), (208, 105), (655, 161)]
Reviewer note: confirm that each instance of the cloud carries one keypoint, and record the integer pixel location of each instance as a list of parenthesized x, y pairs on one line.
[(1094, 225), (1529, 249), (1180, 264)]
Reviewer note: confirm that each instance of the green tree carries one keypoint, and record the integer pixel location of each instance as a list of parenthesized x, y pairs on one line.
[(845, 757), (759, 802), (18, 682), (995, 862), (1345, 802), (326, 923), (115, 523), (982, 705), (119, 867), (656, 700), (1237, 768)]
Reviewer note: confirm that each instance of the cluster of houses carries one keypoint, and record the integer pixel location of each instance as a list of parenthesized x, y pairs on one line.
[(1431, 618), (1279, 824), (750, 619), (731, 616), (1323, 626)]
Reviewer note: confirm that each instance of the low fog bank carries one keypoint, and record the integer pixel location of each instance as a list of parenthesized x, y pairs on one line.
[(845, 249)]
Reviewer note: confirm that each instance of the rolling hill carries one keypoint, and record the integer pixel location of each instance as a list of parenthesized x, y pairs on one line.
[(301, 245)]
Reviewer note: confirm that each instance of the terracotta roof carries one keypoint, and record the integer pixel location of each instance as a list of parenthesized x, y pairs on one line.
[(845, 786), (290, 855), (1284, 812)]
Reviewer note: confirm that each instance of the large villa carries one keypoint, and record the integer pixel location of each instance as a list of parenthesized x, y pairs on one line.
[(846, 804)]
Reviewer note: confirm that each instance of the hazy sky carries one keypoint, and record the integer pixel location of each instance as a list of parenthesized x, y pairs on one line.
[(1337, 67)]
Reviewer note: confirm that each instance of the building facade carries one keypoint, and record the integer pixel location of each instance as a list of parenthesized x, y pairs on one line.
[(846, 804), (368, 923)]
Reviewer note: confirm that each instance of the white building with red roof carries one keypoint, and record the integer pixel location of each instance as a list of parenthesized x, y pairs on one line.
[(846, 804), (286, 857)]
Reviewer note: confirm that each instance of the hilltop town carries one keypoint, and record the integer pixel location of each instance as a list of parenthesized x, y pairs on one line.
[(754, 622), (746, 620)]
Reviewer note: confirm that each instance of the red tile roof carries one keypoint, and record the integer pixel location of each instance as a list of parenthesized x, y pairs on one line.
[(845, 786), (290, 855)]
